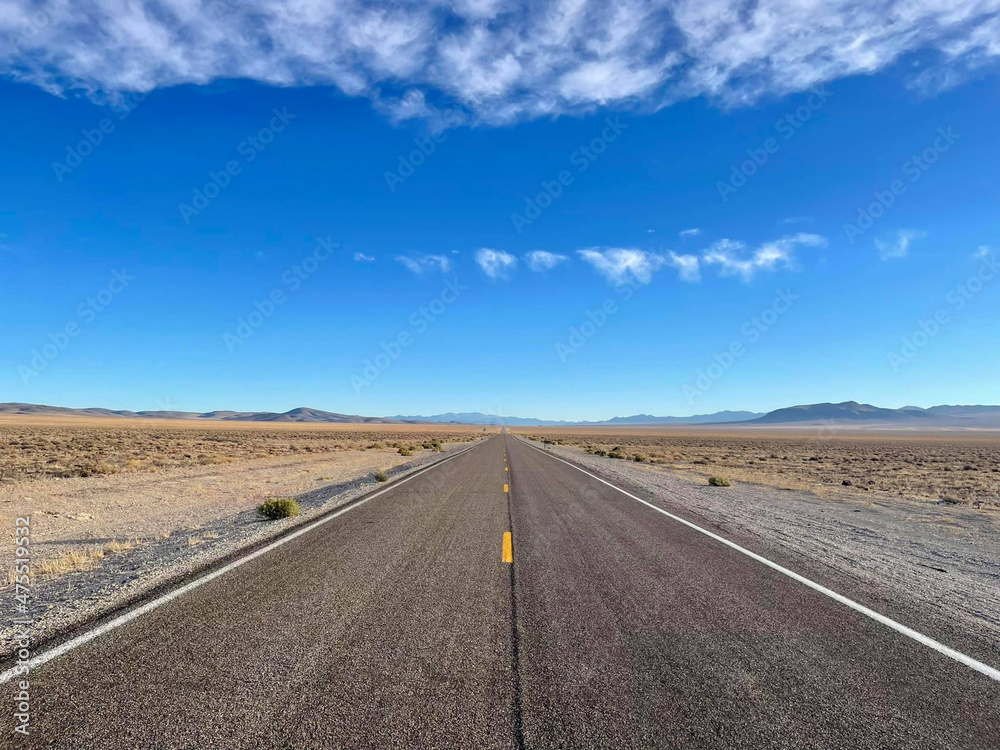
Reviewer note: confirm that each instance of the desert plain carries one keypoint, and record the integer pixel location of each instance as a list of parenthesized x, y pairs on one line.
[(948, 467), (96, 483), (118, 505)]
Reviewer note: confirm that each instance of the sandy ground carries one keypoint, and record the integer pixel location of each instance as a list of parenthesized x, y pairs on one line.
[(33, 447), (961, 467), (95, 510), (940, 557)]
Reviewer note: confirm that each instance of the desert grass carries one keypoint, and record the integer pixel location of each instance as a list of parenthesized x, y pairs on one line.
[(78, 559), (279, 507), (949, 468), (36, 447)]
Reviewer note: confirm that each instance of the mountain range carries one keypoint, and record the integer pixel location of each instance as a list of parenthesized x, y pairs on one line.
[(301, 414), (851, 412), (476, 417), (847, 413)]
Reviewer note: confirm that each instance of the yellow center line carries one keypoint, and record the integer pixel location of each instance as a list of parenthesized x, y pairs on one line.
[(505, 488), (508, 550)]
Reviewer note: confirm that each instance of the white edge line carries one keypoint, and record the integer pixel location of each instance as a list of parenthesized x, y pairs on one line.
[(90, 635), (888, 622)]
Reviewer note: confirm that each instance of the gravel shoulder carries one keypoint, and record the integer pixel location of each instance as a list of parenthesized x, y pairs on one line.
[(942, 560), (149, 529)]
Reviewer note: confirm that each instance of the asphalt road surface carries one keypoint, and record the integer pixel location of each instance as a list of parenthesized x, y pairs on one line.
[(399, 624)]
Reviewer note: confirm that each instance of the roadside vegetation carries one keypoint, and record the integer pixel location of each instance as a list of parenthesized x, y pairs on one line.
[(83, 558), (946, 469), (84, 447), (279, 507)]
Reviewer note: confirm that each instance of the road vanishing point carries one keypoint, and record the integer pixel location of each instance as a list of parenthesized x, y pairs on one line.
[(507, 598)]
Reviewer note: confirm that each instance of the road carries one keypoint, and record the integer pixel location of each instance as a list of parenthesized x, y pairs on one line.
[(399, 624)]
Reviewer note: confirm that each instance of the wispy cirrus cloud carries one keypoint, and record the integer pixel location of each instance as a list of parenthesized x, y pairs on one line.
[(496, 264), (622, 265), (423, 263), (497, 61), (897, 244), (362, 258), (730, 257), (732, 260), (693, 232), (542, 260), (688, 266)]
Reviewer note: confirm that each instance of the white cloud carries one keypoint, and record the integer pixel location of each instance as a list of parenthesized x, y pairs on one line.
[(621, 264), (692, 232), (498, 60), (729, 255), (688, 266), (495, 263), (541, 260), (983, 251), (897, 244), (425, 263), (362, 258)]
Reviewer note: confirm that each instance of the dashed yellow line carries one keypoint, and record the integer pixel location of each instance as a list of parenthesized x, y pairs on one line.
[(505, 468), (508, 548), (505, 488)]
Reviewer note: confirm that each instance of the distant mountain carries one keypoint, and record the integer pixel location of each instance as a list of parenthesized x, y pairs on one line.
[(476, 417), (847, 413), (850, 411), (853, 413), (300, 414), (716, 418), (971, 416)]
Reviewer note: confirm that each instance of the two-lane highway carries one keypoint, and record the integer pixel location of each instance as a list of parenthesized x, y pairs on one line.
[(506, 599)]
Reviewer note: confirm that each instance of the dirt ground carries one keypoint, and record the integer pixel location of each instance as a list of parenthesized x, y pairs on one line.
[(65, 447), (956, 467), (96, 487)]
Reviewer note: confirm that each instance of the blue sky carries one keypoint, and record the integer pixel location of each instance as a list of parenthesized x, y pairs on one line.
[(655, 281)]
